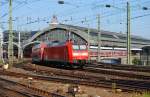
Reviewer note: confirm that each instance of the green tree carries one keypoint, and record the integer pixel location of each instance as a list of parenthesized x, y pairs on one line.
[(136, 61)]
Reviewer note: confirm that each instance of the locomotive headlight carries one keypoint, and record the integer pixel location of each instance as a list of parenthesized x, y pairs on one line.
[(75, 54), (84, 54), (80, 54)]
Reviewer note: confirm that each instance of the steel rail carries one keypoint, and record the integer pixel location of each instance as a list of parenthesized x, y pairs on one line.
[(125, 84)]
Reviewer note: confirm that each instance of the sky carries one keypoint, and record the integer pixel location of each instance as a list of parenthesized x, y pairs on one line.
[(36, 14)]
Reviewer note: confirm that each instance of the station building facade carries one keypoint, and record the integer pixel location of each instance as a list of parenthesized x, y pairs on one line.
[(113, 45)]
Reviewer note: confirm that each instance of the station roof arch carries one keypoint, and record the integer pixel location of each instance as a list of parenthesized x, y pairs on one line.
[(108, 38), (77, 31)]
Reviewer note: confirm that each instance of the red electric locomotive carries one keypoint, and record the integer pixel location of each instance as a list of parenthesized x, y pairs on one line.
[(65, 53)]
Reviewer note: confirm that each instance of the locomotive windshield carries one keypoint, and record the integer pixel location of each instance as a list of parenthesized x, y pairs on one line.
[(82, 47), (75, 47), (79, 47)]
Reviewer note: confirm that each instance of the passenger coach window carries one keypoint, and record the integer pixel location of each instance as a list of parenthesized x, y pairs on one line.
[(82, 47), (75, 47)]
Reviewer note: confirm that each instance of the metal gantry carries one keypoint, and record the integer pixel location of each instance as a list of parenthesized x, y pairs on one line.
[(99, 38), (19, 46), (1, 49), (10, 42), (128, 31), (1, 45), (128, 35), (88, 41)]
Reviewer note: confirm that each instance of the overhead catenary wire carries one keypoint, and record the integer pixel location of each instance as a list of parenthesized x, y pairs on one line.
[(74, 20), (20, 5)]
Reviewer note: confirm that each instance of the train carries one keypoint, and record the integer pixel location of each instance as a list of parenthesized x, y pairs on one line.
[(64, 53)]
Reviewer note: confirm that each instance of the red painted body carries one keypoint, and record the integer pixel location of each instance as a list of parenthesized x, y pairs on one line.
[(60, 52), (38, 51)]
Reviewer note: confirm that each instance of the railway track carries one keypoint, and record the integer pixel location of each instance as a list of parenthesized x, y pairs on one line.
[(7, 92), (121, 73), (10, 93), (121, 67), (109, 72), (76, 77), (12, 89), (22, 90), (88, 72)]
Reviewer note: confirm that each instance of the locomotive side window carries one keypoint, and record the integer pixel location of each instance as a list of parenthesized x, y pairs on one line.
[(75, 47), (82, 47)]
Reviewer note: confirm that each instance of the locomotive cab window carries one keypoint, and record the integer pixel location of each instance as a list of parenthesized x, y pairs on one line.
[(75, 47), (82, 47)]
